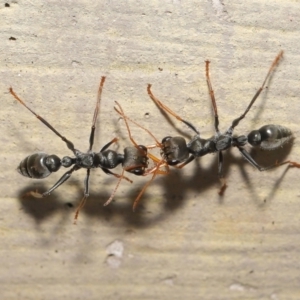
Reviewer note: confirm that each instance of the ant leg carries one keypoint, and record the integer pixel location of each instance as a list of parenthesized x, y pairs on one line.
[(249, 158), (119, 181), (167, 109), (137, 200), (155, 171), (189, 159), (114, 140), (64, 178), (86, 182), (159, 163), (236, 121), (122, 114), (69, 144), (122, 176), (79, 207), (212, 97), (220, 173), (292, 163), (96, 112), (115, 189), (223, 187), (85, 195), (140, 194), (106, 171)]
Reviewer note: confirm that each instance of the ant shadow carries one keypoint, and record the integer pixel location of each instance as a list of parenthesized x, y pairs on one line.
[(203, 179), (175, 185), (264, 158), (40, 209), (268, 158)]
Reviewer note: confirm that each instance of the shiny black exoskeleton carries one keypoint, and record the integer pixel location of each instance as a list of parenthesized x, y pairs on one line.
[(177, 152), (41, 165)]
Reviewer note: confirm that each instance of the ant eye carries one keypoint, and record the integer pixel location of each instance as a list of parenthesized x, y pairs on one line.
[(165, 139), (143, 148), (173, 162), (138, 172)]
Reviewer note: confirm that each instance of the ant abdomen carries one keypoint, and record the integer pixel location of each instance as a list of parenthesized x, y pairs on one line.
[(39, 165), (270, 137)]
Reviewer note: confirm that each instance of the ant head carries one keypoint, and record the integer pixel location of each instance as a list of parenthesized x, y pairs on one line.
[(143, 149), (165, 139)]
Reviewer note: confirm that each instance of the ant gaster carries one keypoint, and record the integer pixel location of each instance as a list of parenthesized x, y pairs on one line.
[(40, 165), (176, 152)]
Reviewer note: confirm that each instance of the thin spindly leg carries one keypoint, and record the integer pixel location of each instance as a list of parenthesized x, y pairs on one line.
[(86, 182), (158, 163), (96, 112), (167, 109), (70, 145), (63, 179), (115, 189), (212, 97), (122, 114), (85, 195), (189, 159), (242, 116), (153, 170), (106, 146), (137, 200), (220, 173), (106, 171), (249, 158)]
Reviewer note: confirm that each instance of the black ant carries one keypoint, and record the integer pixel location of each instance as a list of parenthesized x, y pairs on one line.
[(40, 165), (176, 152)]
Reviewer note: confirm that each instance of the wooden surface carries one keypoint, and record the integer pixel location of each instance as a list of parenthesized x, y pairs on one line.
[(184, 242)]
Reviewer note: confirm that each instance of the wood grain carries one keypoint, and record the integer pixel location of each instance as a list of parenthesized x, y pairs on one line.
[(184, 242)]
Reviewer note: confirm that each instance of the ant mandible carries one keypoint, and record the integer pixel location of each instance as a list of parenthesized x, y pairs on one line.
[(159, 163)]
